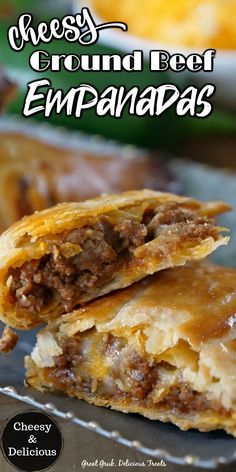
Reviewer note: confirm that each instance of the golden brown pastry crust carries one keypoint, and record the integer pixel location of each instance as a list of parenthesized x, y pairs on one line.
[(43, 175), (34, 237), (182, 320), (200, 420), (8, 340)]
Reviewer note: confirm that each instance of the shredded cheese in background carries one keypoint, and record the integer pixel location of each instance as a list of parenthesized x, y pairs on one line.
[(196, 23)]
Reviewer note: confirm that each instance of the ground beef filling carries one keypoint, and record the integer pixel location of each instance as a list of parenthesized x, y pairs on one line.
[(129, 376), (105, 248)]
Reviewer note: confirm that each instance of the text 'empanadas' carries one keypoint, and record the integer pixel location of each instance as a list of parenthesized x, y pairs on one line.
[(67, 255), (164, 347)]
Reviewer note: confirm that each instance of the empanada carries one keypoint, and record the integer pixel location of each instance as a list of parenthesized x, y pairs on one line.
[(36, 174), (69, 254), (164, 347)]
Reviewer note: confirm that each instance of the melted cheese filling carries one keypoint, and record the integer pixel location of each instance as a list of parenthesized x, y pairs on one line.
[(113, 369)]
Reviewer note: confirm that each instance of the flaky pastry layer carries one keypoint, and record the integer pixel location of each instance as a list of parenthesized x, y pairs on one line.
[(62, 257), (164, 347)]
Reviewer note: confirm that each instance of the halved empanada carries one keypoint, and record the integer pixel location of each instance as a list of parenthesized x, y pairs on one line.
[(164, 348), (67, 255)]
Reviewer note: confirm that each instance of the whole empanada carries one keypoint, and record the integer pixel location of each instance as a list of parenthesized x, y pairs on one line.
[(37, 174), (62, 257)]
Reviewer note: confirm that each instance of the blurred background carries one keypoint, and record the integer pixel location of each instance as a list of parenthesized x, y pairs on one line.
[(174, 25)]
